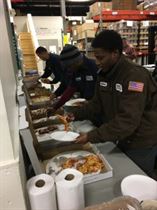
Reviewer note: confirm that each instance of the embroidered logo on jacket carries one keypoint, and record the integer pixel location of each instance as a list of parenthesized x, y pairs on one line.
[(89, 78), (119, 87), (136, 86), (103, 84)]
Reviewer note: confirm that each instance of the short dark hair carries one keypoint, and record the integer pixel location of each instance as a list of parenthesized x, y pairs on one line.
[(108, 40), (40, 50)]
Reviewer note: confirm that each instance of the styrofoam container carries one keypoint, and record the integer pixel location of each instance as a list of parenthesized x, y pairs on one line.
[(140, 187)]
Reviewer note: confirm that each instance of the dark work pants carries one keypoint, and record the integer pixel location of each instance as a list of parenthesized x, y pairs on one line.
[(144, 158)]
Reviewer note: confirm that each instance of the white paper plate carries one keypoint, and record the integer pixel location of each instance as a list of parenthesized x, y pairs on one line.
[(64, 136), (140, 187), (73, 101)]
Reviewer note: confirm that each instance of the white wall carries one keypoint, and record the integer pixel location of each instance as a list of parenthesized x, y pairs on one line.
[(8, 82), (49, 28), (20, 22), (11, 191), (46, 27)]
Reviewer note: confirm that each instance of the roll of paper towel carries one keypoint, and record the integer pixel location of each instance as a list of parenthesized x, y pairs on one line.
[(70, 190), (41, 191)]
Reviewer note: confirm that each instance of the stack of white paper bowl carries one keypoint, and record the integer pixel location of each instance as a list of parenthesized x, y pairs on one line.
[(140, 187)]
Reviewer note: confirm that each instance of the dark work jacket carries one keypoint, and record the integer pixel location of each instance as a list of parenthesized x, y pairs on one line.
[(130, 117), (84, 79), (53, 65), (154, 74)]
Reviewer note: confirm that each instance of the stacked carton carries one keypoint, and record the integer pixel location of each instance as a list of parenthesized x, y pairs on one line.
[(124, 4), (97, 7), (86, 30), (26, 44)]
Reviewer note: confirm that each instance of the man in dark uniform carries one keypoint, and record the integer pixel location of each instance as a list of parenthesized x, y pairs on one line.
[(53, 66), (80, 75), (126, 97)]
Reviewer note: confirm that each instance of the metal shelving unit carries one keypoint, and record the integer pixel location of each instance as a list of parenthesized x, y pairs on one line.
[(116, 15)]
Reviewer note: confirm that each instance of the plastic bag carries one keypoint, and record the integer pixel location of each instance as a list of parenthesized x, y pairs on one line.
[(149, 205), (119, 203)]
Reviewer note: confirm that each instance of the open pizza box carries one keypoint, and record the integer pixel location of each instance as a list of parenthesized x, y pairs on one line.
[(77, 150)]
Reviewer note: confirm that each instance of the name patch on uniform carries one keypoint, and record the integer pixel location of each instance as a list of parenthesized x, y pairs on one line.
[(119, 87), (103, 84), (89, 78), (136, 86), (78, 78)]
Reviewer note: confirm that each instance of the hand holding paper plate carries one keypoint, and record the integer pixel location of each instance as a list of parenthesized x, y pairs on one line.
[(64, 136), (76, 102)]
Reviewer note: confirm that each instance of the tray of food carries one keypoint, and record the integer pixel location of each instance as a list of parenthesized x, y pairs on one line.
[(55, 133), (30, 78), (31, 81), (38, 97), (88, 160), (64, 130), (39, 91), (42, 113)]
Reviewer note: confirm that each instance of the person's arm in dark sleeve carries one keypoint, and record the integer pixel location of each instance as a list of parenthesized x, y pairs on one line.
[(46, 73), (68, 93), (91, 109), (60, 89), (57, 71), (128, 118)]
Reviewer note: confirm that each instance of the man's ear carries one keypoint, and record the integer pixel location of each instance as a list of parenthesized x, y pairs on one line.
[(115, 53)]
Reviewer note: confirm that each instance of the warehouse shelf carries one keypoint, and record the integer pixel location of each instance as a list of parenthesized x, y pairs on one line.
[(116, 15)]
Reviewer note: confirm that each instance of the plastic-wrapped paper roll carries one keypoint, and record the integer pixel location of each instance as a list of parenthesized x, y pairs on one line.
[(70, 190), (41, 191)]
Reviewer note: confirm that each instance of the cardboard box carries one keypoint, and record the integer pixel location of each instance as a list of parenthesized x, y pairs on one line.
[(107, 172), (89, 26), (98, 6), (30, 58), (27, 51), (140, 6), (124, 4), (86, 34)]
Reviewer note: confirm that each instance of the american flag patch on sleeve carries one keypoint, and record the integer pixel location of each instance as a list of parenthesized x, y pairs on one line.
[(136, 86)]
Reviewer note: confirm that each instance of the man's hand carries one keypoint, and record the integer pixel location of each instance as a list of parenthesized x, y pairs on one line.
[(45, 80), (70, 117), (82, 139)]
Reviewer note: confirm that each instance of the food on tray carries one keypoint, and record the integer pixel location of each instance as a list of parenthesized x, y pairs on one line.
[(87, 164), (37, 112), (70, 163), (40, 91), (48, 129), (43, 130), (40, 94), (64, 121), (40, 99), (31, 78)]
